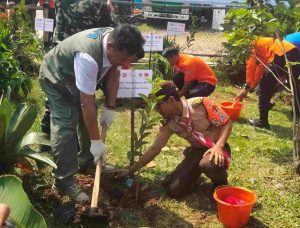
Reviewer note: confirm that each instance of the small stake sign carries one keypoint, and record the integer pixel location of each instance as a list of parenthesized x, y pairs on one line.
[(153, 42), (175, 29), (43, 24), (134, 82), (48, 25)]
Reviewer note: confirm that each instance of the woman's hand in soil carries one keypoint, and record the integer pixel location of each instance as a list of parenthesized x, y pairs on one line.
[(216, 155)]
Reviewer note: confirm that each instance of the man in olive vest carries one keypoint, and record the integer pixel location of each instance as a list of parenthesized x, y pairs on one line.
[(69, 76)]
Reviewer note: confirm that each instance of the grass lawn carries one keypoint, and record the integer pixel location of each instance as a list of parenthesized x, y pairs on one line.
[(262, 160)]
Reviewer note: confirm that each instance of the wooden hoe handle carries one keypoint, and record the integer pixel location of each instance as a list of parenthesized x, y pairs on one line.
[(95, 195)]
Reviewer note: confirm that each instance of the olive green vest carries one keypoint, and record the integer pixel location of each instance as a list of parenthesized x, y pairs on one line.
[(60, 60)]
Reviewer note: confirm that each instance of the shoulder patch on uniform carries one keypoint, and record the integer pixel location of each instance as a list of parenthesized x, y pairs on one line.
[(196, 101), (95, 34)]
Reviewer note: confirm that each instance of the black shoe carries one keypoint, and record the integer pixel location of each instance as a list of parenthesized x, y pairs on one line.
[(258, 123), (69, 188)]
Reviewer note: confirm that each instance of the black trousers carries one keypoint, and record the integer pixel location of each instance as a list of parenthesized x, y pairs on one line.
[(198, 89), (181, 180), (268, 85)]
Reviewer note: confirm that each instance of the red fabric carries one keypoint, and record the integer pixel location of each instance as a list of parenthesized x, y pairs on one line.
[(187, 124), (233, 200), (51, 3)]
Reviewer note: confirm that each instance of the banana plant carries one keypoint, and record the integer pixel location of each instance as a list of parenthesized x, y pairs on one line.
[(22, 213), (14, 141)]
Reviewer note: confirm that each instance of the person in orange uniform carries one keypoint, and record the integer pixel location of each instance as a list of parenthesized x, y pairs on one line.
[(269, 52), (193, 77), (204, 126)]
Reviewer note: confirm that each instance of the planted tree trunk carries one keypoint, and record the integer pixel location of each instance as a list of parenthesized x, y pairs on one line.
[(297, 146), (296, 110)]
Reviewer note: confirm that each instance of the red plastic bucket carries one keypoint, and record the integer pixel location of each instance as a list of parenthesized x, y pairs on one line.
[(231, 215), (232, 111)]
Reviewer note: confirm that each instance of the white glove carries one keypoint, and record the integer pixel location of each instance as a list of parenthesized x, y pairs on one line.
[(97, 150), (107, 117)]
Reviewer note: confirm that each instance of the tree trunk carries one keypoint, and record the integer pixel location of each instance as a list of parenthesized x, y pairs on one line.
[(297, 147)]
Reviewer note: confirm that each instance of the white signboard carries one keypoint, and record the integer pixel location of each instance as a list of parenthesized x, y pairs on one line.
[(39, 24), (218, 19), (175, 29), (43, 24), (153, 42), (49, 25), (134, 82)]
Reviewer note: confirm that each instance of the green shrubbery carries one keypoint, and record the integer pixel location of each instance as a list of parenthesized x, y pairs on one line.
[(14, 138), (245, 24), (20, 52)]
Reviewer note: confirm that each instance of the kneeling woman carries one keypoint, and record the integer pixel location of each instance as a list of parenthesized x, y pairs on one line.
[(205, 126)]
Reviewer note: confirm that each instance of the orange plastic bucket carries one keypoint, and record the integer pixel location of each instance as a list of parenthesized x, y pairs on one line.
[(233, 111), (234, 215)]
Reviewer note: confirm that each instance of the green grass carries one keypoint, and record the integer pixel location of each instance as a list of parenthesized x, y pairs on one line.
[(262, 160)]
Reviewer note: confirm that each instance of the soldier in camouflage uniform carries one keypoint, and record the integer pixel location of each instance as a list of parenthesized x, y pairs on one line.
[(73, 16), (69, 76)]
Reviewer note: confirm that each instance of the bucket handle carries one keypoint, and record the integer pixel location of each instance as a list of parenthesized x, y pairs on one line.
[(223, 185)]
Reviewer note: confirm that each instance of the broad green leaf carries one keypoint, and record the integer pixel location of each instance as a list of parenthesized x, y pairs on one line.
[(144, 97), (27, 152), (6, 111), (2, 129), (36, 138), (21, 122), (22, 212)]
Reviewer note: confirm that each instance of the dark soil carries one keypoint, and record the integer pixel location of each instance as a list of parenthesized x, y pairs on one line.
[(115, 198)]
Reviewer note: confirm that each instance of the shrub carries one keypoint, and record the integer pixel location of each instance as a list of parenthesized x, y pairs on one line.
[(27, 48), (20, 52), (12, 78), (14, 140), (243, 25)]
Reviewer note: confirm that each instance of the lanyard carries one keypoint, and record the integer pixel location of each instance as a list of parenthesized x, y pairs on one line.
[(187, 124)]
